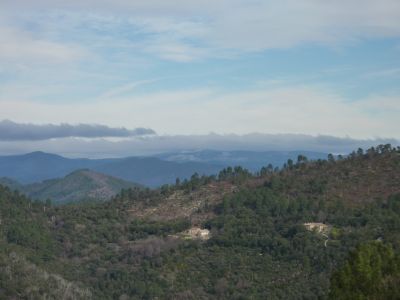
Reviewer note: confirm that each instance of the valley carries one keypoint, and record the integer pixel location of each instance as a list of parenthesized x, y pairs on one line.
[(199, 150), (136, 246)]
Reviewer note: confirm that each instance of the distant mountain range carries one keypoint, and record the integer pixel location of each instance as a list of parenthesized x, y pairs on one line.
[(148, 171), (251, 160), (80, 185), (151, 171)]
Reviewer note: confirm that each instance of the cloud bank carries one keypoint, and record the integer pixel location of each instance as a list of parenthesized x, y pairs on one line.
[(299, 109), (11, 131), (148, 145), (101, 46)]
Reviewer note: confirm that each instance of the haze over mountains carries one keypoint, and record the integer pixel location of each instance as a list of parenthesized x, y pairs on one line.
[(43, 176), (149, 171), (193, 150), (80, 185), (252, 160), (143, 243)]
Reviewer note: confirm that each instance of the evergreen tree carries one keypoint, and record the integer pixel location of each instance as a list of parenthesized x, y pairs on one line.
[(372, 271)]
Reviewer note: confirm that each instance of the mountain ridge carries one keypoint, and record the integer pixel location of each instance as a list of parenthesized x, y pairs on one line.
[(80, 185), (152, 171), (134, 246), (252, 160)]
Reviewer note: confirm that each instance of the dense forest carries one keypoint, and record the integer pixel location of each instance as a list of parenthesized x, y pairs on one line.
[(259, 244)]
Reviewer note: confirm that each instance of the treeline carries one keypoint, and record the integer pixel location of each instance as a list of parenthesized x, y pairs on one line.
[(259, 246), (372, 271), (238, 175)]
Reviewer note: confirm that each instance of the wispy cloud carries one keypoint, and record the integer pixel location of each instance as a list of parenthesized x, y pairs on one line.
[(21, 47), (192, 29), (390, 72), (81, 61), (123, 89), (177, 51), (11, 131)]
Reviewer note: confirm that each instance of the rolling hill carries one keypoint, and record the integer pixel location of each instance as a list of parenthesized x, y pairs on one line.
[(39, 166), (149, 171), (78, 186), (154, 172), (259, 243)]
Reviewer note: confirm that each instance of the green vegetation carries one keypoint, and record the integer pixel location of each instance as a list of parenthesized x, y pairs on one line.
[(81, 185), (129, 248), (372, 271), (12, 184)]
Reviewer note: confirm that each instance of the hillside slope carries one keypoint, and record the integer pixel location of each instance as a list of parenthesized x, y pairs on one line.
[(354, 181), (11, 183), (136, 246), (154, 172), (26, 243), (81, 185)]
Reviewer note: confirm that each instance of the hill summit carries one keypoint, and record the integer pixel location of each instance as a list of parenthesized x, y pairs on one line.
[(80, 185)]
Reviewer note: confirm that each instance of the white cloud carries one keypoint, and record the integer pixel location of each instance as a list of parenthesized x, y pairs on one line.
[(118, 32), (100, 148), (186, 30), (280, 110), (287, 23), (11, 131), (22, 48), (126, 88)]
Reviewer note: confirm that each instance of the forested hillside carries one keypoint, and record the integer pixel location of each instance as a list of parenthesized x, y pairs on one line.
[(137, 246), (79, 186)]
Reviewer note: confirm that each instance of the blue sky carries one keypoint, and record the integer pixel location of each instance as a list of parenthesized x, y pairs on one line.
[(194, 67)]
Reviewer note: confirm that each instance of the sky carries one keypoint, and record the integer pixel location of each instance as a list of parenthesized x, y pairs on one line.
[(73, 72)]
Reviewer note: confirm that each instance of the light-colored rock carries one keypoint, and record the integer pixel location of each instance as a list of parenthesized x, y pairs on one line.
[(318, 227), (197, 233)]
